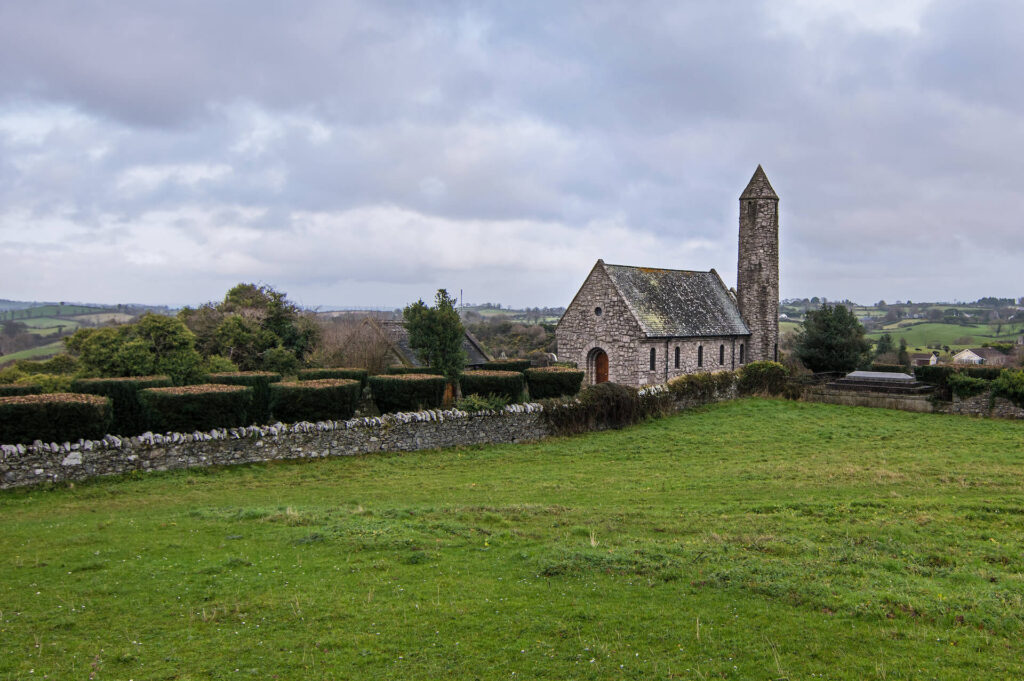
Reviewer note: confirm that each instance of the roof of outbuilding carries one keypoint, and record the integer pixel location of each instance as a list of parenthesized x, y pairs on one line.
[(677, 302), (398, 336)]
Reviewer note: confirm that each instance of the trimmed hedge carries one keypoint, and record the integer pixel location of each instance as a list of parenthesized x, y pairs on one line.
[(937, 374), (55, 417), (11, 390), (129, 417), (327, 399), (554, 381), (398, 370), (507, 384), (519, 365), (702, 387), (188, 408), (259, 381), (335, 372), (407, 392), (889, 368), (762, 378)]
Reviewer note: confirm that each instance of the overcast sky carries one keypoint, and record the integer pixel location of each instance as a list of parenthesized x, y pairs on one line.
[(369, 153)]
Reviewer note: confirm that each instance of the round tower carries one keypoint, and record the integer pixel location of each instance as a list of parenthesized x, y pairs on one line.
[(757, 275)]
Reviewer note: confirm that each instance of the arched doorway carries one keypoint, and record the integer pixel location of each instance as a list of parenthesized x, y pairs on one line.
[(597, 365)]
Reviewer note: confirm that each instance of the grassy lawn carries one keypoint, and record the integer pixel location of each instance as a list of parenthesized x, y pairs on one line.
[(758, 539)]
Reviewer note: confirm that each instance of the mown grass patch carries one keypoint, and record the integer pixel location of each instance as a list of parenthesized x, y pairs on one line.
[(754, 539)]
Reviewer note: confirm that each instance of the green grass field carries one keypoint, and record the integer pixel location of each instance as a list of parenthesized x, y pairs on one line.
[(920, 335), (758, 539), (40, 352), (24, 315)]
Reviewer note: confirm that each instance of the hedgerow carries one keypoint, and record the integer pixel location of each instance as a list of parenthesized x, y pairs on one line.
[(1010, 385), (553, 381), (335, 372), (55, 417), (762, 378), (889, 368), (398, 370), (326, 399), (189, 408), (519, 365), (10, 390), (963, 385), (507, 384), (605, 405), (407, 392), (702, 387), (128, 415), (260, 382)]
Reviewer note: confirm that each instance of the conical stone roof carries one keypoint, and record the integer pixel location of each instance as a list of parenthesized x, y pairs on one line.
[(759, 187)]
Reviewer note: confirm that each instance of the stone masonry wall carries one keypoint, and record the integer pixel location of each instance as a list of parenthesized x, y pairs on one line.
[(581, 330), (757, 286), (984, 405), (32, 464)]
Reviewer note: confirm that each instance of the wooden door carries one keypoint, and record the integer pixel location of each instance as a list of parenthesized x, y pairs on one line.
[(601, 367)]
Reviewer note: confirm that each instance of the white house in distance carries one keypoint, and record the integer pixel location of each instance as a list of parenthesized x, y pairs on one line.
[(980, 356)]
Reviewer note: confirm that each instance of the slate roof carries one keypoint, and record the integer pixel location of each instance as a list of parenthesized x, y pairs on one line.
[(677, 302), (398, 337)]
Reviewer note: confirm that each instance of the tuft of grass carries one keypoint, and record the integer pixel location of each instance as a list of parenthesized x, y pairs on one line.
[(752, 539)]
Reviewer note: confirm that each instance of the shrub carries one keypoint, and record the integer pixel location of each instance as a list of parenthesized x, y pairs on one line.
[(473, 403), (762, 378), (963, 385), (1010, 385), (315, 400), (218, 364), (129, 418), (608, 405), (407, 392), (57, 417), (507, 365), (19, 389), (60, 364), (280, 360), (189, 408), (398, 370), (507, 384), (939, 374), (335, 372), (553, 381), (702, 387), (259, 381), (49, 383)]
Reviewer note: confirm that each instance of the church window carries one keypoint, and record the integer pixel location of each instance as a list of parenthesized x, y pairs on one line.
[(721, 354), (654, 358), (776, 352), (597, 311), (677, 357), (700, 355), (741, 353)]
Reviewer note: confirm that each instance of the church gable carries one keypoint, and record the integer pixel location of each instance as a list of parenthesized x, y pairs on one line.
[(598, 309)]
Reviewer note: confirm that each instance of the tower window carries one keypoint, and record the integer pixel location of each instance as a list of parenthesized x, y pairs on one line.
[(721, 355), (776, 352), (700, 355), (677, 357), (654, 358), (597, 311)]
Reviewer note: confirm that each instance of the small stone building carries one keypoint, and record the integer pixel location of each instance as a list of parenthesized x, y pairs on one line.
[(643, 325)]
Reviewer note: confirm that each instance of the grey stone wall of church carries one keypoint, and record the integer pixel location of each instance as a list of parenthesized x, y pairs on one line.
[(581, 331), (757, 286)]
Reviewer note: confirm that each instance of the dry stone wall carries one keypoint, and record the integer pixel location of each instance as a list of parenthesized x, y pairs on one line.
[(57, 462)]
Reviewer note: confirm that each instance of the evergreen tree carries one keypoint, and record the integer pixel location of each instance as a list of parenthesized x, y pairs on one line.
[(831, 340), (903, 358), (884, 344), (436, 334)]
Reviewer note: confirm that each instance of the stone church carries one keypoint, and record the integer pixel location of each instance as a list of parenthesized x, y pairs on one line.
[(644, 325)]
